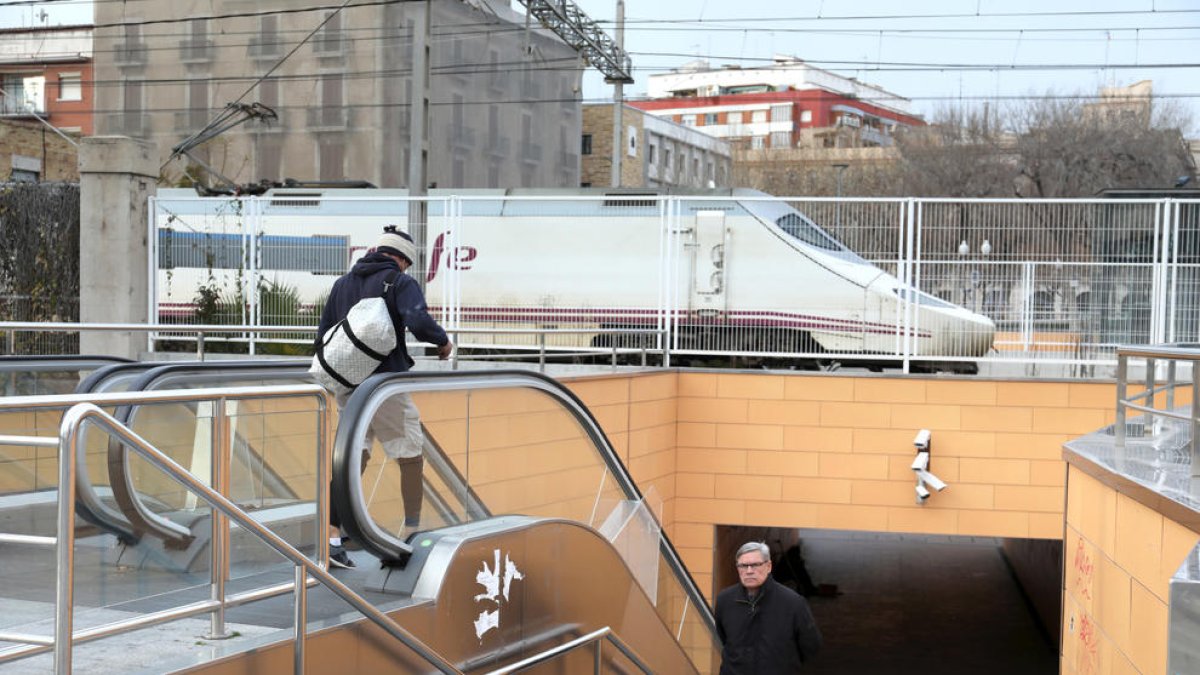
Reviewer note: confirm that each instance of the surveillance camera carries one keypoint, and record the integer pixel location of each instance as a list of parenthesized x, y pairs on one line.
[(922, 439), (922, 494), (931, 480), (921, 463)]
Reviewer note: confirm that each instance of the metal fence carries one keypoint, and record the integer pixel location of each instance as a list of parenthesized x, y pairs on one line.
[(1062, 281)]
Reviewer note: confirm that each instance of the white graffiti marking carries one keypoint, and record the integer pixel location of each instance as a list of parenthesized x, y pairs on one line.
[(490, 578)]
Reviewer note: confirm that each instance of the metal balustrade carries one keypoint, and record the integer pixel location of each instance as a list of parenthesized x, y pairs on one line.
[(1145, 400)]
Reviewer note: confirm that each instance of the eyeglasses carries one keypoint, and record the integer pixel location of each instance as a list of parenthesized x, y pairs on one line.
[(751, 566)]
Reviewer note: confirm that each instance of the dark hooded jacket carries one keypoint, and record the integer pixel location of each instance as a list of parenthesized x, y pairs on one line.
[(772, 634), (365, 280)]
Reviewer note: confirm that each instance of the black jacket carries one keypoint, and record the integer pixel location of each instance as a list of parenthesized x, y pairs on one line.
[(773, 633), (366, 280)]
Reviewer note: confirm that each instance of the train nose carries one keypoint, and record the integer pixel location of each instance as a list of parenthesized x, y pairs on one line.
[(969, 334)]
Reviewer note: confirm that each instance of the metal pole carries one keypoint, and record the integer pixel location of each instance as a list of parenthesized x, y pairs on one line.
[(618, 143), (301, 618), (542, 352), (1151, 366), (64, 602), (1195, 423), (1119, 427), (200, 347), (324, 472), (418, 139), (220, 523), (597, 662), (614, 353)]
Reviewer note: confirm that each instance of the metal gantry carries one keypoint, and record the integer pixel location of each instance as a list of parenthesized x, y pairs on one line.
[(570, 23)]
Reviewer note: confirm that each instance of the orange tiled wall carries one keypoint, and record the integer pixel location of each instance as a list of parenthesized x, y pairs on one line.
[(833, 451), (1120, 556)]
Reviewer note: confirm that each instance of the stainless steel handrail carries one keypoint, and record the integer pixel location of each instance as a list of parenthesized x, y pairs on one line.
[(1173, 354), (596, 636), (72, 422)]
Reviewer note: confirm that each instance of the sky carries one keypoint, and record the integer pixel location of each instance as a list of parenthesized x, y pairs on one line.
[(907, 48)]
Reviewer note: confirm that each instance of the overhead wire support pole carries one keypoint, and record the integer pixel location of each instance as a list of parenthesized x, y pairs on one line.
[(574, 27), (418, 136), (618, 143)]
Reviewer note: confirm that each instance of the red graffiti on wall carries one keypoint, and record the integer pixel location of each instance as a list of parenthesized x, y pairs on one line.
[(1089, 648), (1084, 568)]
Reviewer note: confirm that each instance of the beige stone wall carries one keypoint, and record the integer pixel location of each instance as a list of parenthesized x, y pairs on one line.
[(596, 168), (1120, 556)]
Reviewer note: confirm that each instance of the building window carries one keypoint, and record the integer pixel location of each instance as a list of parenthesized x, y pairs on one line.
[(781, 113), (585, 184), (70, 87), (734, 117), (780, 139), (710, 118), (689, 120), (806, 116), (586, 147), (651, 153), (331, 159), (757, 142), (667, 158), (758, 116), (23, 176)]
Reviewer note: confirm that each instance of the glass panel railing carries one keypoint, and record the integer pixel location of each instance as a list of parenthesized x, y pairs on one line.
[(523, 444)]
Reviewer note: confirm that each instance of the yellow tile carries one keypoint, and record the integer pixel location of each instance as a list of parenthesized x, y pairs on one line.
[(1048, 472), (1080, 568), (759, 488), (707, 460), (966, 496), (1177, 542), (853, 466), (1067, 420), (1097, 511), (690, 535), (715, 410), (698, 561), (818, 439), (1111, 604), (776, 463), (1031, 446), (695, 485), (648, 387), (1039, 394), (993, 524), (884, 441), (997, 418), (852, 517), (697, 385), (1045, 526), (1139, 543), (745, 386), (715, 511), (1147, 631), (611, 418), (963, 443), (918, 416), (654, 439), (923, 519), (652, 466), (599, 391), (784, 412), (651, 413), (993, 471), (819, 388), (1029, 498), (882, 493), (856, 415), (817, 490), (960, 392), (1102, 396), (696, 434), (889, 390), (782, 514), (750, 436)]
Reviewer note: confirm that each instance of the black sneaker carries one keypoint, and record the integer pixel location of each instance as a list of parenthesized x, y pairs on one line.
[(339, 558)]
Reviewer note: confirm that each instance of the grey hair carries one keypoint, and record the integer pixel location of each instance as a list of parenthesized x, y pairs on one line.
[(751, 547)]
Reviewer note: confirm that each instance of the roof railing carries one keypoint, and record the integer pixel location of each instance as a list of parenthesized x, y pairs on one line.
[(1145, 401)]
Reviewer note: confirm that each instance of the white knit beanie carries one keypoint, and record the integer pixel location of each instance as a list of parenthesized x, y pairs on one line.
[(397, 243)]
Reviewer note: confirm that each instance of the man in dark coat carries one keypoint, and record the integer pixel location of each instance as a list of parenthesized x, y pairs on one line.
[(396, 424), (765, 627)]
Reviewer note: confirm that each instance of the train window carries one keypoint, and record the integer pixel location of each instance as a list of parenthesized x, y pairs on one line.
[(923, 298), (803, 229)]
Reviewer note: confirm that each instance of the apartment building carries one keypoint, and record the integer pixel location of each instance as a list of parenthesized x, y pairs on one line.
[(46, 71), (789, 104), (505, 108), (656, 152)]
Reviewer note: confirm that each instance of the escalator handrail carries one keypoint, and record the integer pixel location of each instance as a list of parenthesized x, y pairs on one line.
[(58, 363), (140, 519), (346, 489), (605, 633)]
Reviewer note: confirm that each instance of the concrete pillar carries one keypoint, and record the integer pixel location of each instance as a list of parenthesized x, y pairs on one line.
[(117, 175)]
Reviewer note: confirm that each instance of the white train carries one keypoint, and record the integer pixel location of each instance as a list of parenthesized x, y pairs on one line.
[(729, 271)]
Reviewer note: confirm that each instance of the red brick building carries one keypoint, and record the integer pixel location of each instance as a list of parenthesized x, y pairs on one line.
[(47, 72)]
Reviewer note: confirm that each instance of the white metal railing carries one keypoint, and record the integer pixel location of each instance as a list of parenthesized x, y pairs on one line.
[(1144, 401), (1064, 280), (85, 409), (596, 637)]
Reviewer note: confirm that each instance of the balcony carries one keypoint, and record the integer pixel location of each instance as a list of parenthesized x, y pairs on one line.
[(330, 45), (16, 105), (129, 124), (498, 146), (328, 119), (265, 47), (191, 120), (462, 137), (129, 53), (195, 51), (531, 153)]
